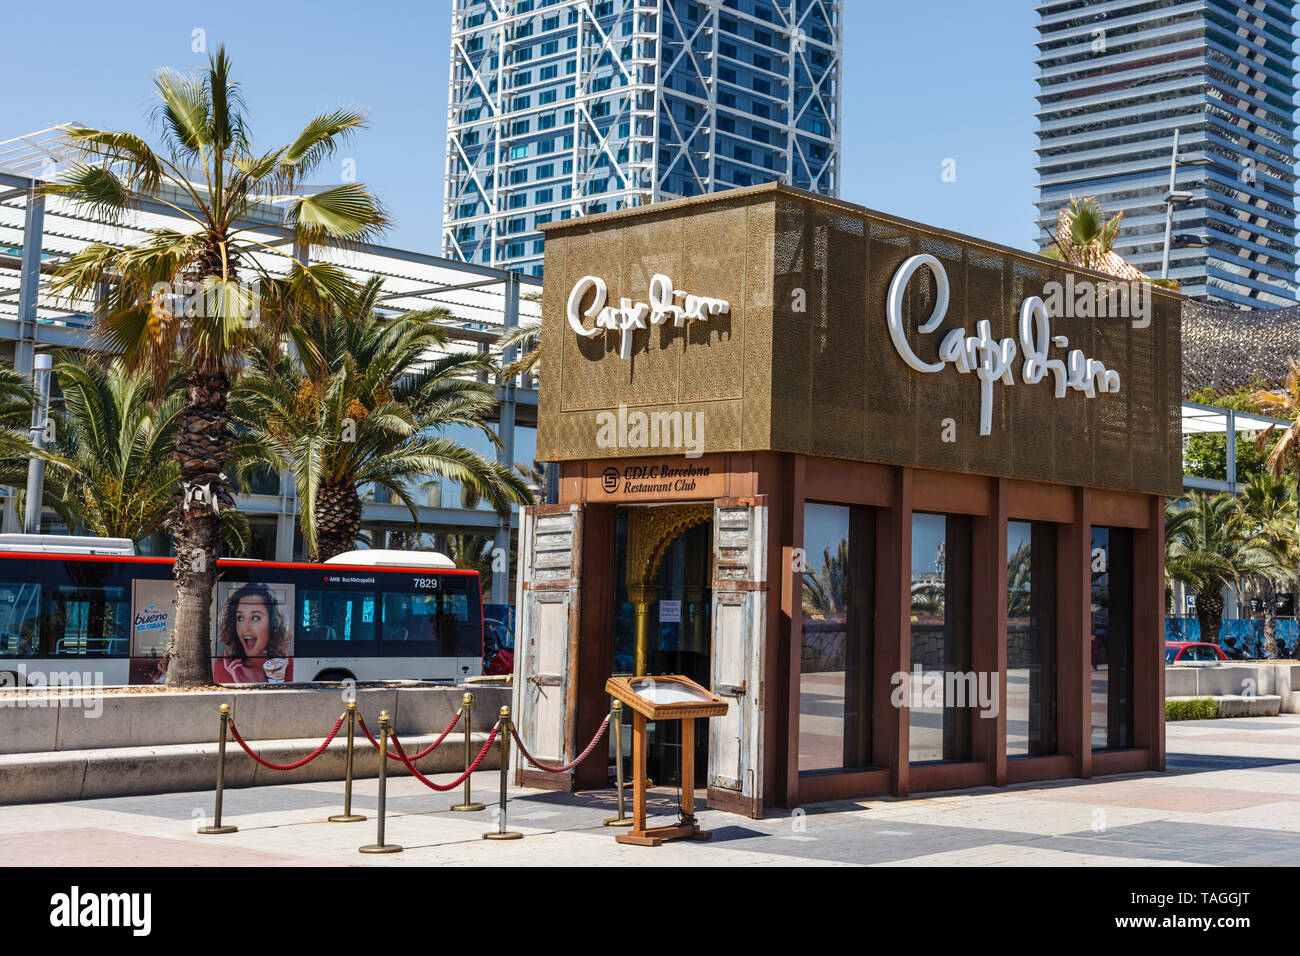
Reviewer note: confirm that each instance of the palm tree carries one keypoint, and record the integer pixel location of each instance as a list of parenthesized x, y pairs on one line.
[(361, 403), (1267, 514), (525, 338), (116, 475), (1019, 601), (1285, 456), (113, 474), (826, 590), (208, 173), (1206, 550), (15, 421), (534, 476), (1084, 237)]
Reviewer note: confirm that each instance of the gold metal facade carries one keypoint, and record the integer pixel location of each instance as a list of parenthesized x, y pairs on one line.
[(804, 363)]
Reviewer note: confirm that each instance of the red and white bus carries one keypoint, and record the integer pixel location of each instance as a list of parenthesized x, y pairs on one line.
[(90, 604)]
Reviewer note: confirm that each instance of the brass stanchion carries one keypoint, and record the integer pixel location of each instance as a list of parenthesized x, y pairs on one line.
[(502, 833), (616, 718), (221, 776), (347, 816), (466, 702), (380, 846)]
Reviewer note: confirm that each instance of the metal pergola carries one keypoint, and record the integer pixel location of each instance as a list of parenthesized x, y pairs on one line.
[(37, 233), (1201, 419)]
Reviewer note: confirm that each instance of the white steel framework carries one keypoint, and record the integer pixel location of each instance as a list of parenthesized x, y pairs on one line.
[(564, 108)]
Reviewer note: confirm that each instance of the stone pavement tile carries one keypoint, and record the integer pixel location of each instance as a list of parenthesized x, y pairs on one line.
[(1047, 819), (1254, 779), (1174, 798), (94, 846), (1263, 817), (1024, 856), (1199, 842)]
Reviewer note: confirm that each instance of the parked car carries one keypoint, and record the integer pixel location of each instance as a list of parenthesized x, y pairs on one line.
[(498, 647), (1180, 652)]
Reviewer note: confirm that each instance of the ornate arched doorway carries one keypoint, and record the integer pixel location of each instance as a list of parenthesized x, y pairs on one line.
[(662, 608)]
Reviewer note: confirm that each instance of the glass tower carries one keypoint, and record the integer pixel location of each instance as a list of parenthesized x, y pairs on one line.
[(559, 108), (1120, 81)]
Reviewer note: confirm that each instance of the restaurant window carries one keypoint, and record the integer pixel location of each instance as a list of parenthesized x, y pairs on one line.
[(835, 673), (1112, 638), (940, 687), (1031, 639)]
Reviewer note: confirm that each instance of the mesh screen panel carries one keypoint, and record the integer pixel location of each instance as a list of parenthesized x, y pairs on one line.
[(804, 362)]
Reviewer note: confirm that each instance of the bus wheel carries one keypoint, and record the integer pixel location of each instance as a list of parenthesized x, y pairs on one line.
[(336, 676)]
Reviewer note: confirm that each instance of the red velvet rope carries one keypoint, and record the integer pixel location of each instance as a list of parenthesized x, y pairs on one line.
[(397, 746), (604, 725), (423, 753), (286, 766)]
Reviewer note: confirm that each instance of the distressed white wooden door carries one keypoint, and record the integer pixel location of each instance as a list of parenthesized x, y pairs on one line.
[(550, 538), (739, 612)]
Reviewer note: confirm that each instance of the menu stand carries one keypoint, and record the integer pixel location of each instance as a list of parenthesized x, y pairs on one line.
[(664, 697)]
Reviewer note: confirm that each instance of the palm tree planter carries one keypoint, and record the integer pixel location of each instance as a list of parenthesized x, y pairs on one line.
[(211, 163), (1285, 456), (1206, 549), (360, 403), (1267, 514)]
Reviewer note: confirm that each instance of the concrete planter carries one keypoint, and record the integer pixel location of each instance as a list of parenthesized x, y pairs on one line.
[(78, 747), (1232, 683)]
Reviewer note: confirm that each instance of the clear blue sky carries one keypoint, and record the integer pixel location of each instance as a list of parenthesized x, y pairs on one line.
[(924, 81)]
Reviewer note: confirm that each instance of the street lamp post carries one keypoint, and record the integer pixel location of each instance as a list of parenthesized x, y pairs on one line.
[(1173, 198)]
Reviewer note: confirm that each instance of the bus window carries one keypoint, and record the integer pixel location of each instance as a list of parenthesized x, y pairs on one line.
[(336, 616), (87, 621), (412, 618), (20, 608), (460, 618)]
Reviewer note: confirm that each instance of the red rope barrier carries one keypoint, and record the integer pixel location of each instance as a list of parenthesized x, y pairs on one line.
[(423, 753), (604, 725), (234, 732), (401, 755)]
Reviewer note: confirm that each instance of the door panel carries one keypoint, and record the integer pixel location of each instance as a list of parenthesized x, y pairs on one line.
[(739, 612), (546, 644), (546, 714)]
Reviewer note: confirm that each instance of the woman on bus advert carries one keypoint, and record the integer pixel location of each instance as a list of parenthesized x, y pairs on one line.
[(253, 630)]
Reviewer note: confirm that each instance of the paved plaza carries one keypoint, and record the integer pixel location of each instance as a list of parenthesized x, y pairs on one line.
[(1231, 797)]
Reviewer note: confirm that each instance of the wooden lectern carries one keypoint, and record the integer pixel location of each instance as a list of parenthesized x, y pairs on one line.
[(664, 697)]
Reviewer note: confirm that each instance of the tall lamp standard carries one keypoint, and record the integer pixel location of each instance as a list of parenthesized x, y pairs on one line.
[(1173, 197)]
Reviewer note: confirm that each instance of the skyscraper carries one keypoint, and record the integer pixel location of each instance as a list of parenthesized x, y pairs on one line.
[(1121, 81), (564, 107)]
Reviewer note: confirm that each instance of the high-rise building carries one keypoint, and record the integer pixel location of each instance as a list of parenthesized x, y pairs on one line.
[(1123, 83), (564, 107)]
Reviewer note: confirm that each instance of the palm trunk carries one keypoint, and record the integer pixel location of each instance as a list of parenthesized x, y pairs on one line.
[(1209, 612), (338, 520), (1268, 596), (201, 449)]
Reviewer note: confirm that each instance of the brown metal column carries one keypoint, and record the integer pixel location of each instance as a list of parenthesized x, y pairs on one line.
[(989, 631), (790, 653), (894, 631), (595, 640), (1074, 640), (1149, 630)]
